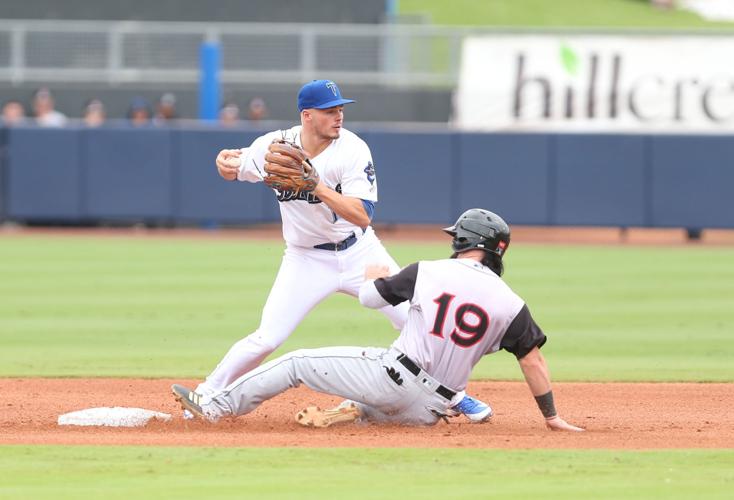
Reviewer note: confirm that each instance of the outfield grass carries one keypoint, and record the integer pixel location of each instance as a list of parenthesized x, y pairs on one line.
[(555, 13), (170, 308), (137, 472)]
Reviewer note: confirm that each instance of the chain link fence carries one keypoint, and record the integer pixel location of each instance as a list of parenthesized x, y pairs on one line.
[(154, 52)]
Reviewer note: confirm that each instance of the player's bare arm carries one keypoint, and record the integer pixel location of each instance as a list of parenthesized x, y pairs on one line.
[(374, 271), (535, 370), (228, 163), (346, 207)]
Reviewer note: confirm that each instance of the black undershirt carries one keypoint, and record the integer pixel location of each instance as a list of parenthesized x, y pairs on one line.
[(400, 287), (523, 334)]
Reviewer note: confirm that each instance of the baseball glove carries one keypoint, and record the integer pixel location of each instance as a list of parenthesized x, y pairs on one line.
[(289, 168)]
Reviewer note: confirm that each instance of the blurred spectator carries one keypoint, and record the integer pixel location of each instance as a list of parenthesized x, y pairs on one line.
[(229, 115), (43, 109), (139, 112), (94, 113), (165, 109), (13, 113), (256, 109)]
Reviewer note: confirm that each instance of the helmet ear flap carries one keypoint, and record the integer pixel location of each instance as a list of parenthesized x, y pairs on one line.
[(460, 243), (481, 229)]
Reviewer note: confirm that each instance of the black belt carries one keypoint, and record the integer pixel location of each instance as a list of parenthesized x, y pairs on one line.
[(338, 247), (415, 370)]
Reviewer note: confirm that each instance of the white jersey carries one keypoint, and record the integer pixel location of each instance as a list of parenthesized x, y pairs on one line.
[(345, 166), (459, 311)]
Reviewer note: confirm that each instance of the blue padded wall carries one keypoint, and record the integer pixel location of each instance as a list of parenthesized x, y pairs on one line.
[(506, 173), (600, 180), (168, 174), (693, 181), (43, 174), (128, 173), (414, 178), (203, 196)]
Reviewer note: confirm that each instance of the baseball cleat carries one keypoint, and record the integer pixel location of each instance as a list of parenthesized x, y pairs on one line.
[(190, 401), (475, 410), (313, 416)]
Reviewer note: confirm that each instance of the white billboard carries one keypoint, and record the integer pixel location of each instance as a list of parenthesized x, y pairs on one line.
[(596, 83)]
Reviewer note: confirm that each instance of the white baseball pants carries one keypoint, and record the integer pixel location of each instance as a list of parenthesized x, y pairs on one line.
[(306, 277)]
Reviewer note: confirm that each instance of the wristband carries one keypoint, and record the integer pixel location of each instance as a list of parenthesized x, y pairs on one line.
[(545, 403)]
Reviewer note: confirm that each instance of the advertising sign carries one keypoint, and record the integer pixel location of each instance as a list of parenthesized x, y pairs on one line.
[(596, 83)]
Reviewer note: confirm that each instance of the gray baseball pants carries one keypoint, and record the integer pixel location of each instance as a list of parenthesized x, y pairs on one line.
[(363, 375)]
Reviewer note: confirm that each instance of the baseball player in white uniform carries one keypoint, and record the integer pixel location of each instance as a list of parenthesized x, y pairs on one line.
[(327, 232), (460, 310)]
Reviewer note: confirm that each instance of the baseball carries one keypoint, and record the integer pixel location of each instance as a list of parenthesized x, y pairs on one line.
[(233, 162)]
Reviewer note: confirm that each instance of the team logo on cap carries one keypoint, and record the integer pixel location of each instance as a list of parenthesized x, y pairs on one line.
[(331, 86)]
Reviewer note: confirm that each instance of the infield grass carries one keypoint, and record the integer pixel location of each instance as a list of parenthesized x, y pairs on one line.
[(144, 472), (147, 307)]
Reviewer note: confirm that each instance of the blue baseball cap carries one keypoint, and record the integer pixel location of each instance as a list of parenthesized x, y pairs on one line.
[(320, 94)]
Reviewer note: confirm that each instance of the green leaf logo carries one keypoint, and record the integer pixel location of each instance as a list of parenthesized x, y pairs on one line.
[(569, 59)]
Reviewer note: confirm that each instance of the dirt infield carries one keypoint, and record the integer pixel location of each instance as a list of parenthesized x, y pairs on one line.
[(619, 416)]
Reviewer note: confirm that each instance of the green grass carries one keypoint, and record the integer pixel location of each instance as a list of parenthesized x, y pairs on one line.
[(555, 13), (142, 472), (112, 307), (89, 306)]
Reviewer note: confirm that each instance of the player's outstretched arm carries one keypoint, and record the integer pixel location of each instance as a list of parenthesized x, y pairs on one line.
[(535, 370), (228, 163)]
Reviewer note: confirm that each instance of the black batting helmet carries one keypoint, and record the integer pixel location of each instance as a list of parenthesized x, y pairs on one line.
[(482, 229)]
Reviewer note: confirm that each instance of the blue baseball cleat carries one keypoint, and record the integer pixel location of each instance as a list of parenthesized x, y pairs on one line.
[(476, 411)]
